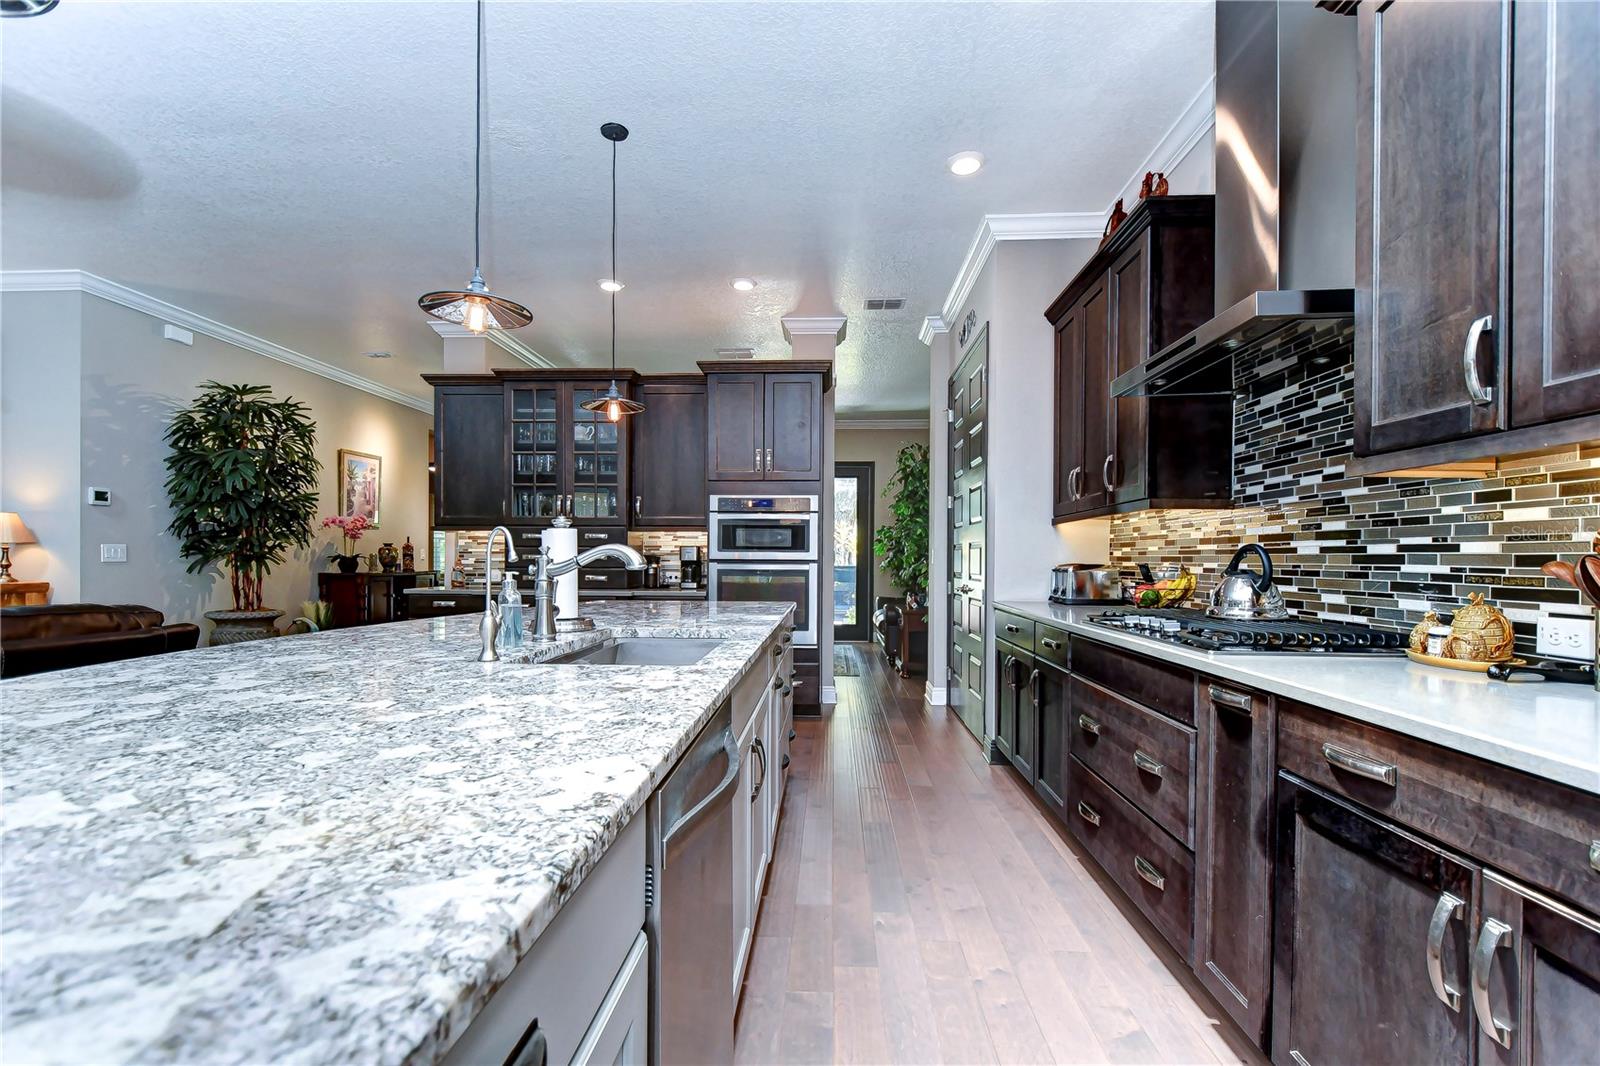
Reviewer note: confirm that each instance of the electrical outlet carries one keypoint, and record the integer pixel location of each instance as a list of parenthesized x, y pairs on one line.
[(1566, 636), (113, 553)]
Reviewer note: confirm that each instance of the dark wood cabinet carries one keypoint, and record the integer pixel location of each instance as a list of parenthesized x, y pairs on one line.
[(1013, 675), (765, 425), (368, 599), (669, 455), (1371, 938), (469, 440), (1150, 284), (1233, 850), (564, 459), (1052, 712)]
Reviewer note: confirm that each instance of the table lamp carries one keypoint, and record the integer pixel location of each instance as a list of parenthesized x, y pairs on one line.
[(12, 531)]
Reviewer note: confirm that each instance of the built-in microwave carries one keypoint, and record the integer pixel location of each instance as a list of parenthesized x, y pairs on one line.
[(745, 528), (770, 582)]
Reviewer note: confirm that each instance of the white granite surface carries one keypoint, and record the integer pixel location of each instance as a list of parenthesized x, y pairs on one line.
[(1548, 729), (319, 849)]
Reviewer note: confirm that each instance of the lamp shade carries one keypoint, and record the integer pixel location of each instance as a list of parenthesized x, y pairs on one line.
[(14, 531)]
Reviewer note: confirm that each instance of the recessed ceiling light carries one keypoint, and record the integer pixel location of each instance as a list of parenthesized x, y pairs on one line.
[(611, 285), (378, 355), (743, 284), (964, 163)]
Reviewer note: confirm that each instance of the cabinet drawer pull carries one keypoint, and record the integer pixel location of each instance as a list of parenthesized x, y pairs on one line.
[(1361, 765), (1491, 938), (1088, 813), (1088, 725), (1147, 764), (595, 536), (1449, 908), (777, 683), (1149, 874), (1013, 629), (777, 653), (1223, 697), (1469, 361), (444, 603), (1594, 856), (1053, 645)]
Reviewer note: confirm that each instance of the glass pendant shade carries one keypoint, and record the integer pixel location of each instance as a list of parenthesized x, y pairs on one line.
[(475, 307), (613, 404)]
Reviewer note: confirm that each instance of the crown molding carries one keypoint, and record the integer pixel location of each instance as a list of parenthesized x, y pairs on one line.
[(932, 326), (113, 292), (814, 326), (512, 344), (845, 422), (1048, 226), (1197, 119)]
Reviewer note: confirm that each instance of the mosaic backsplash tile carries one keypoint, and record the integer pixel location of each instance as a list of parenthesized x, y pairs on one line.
[(1376, 550)]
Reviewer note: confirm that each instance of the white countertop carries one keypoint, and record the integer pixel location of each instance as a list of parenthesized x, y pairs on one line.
[(1548, 729), (324, 849)]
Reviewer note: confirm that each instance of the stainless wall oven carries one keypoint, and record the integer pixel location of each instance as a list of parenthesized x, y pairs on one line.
[(770, 582), (763, 527)]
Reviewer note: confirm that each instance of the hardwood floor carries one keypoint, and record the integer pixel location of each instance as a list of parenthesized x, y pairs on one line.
[(921, 908)]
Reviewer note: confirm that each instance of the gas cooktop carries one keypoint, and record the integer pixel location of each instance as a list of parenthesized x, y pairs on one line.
[(1195, 629)]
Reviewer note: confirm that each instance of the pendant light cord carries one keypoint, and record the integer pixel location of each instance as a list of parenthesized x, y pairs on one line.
[(477, 156), (613, 258)]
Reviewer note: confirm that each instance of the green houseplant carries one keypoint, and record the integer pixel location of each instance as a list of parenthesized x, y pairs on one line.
[(902, 545), (242, 483)]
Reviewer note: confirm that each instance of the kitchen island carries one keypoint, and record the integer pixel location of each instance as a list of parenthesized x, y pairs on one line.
[(325, 848)]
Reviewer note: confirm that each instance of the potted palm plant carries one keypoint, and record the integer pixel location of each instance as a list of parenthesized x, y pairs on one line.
[(242, 482), (902, 545)]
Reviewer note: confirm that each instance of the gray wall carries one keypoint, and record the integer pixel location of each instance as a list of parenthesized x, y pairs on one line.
[(878, 447)]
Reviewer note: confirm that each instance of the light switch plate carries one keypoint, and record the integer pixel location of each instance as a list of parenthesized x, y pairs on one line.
[(113, 553), (1567, 636)]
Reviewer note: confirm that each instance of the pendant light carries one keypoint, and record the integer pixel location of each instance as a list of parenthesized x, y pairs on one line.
[(475, 306), (613, 403)]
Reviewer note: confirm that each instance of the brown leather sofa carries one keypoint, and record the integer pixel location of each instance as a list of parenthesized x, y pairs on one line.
[(56, 637)]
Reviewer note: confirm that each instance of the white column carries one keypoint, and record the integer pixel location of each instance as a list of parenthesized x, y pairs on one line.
[(935, 334), (465, 352)]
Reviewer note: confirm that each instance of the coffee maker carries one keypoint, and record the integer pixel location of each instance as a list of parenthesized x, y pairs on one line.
[(691, 566)]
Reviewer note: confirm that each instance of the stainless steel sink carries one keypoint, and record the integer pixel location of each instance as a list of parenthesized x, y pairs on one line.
[(644, 651)]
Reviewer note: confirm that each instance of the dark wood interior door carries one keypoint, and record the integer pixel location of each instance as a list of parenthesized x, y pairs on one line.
[(470, 448), (793, 427), (969, 406), (1359, 901), (1555, 214), (1125, 473), (1429, 335), (736, 439), (669, 457), (1069, 411)]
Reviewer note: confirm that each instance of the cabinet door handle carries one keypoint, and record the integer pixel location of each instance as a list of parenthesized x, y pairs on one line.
[(1450, 907), (1088, 725), (1149, 874), (1480, 394), (1147, 764), (1233, 701), (1088, 813), (1361, 765), (638, 507), (758, 460), (1594, 855), (1033, 687), (1105, 472), (769, 460), (759, 750), (1072, 482), (1491, 937)]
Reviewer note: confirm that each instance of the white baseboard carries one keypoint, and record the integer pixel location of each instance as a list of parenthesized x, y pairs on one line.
[(830, 694), (934, 696)]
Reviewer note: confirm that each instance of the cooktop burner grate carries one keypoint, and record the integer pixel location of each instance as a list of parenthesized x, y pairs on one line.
[(1197, 630)]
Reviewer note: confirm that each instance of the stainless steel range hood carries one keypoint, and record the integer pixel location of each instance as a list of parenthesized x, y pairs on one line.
[(1285, 188)]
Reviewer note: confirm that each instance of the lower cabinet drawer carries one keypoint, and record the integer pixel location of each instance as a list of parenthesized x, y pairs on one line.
[(1162, 686), (424, 605), (1154, 870), (1536, 830), (1146, 756)]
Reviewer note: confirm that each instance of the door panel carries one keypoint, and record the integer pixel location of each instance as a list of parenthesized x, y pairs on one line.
[(1555, 215), (968, 392), (1069, 411), (1428, 261), (669, 457), (1096, 411), (1005, 697), (469, 448), (1130, 303), (1050, 762), (735, 415), (793, 437)]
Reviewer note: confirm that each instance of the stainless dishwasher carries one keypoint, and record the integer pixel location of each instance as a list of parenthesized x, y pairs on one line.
[(689, 914)]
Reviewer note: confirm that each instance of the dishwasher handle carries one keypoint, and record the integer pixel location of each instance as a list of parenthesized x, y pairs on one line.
[(698, 811)]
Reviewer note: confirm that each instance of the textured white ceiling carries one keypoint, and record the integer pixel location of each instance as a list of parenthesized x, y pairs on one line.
[(303, 171)]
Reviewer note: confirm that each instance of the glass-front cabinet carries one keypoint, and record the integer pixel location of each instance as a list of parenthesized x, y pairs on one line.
[(564, 459)]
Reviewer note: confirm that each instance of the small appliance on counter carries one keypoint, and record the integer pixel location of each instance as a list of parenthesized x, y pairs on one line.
[(1245, 595), (691, 566), (1078, 583)]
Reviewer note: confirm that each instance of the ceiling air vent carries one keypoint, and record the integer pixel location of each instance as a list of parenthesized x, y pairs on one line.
[(893, 303), (736, 353)]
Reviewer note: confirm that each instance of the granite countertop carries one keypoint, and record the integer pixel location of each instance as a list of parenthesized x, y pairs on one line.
[(583, 594), (324, 848), (1548, 729)]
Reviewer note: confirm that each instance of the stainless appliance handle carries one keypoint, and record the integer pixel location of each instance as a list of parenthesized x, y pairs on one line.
[(1088, 813), (1233, 701), (1105, 472), (1493, 935), (1149, 874), (1089, 725), (694, 814), (759, 750), (1361, 765), (1144, 762), (1450, 907), (1469, 361)]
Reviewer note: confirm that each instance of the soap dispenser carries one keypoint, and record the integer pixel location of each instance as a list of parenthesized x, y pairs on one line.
[(510, 635)]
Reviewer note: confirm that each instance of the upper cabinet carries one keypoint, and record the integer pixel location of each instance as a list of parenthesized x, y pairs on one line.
[(1476, 311), (669, 454), (765, 426), (469, 441), (1146, 287)]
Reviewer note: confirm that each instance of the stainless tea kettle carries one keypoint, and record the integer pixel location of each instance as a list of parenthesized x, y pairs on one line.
[(1245, 595)]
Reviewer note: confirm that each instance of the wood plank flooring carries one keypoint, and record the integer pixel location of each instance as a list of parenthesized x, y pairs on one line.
[(921, 908)]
